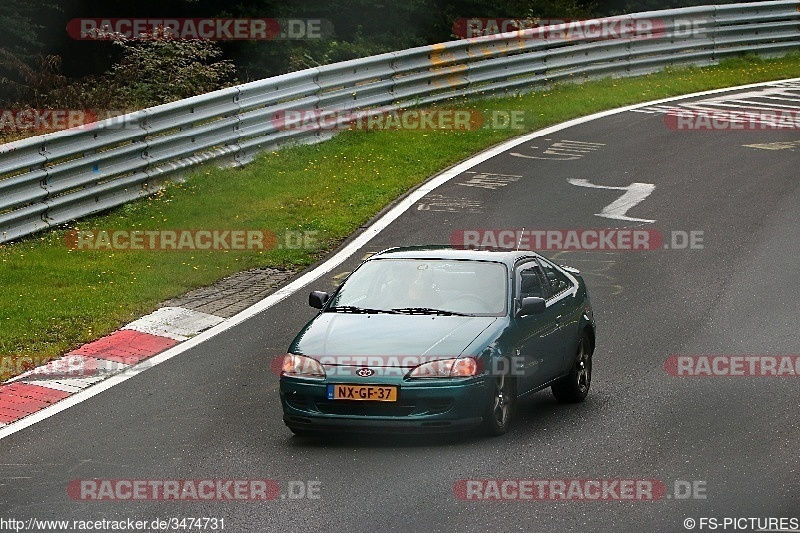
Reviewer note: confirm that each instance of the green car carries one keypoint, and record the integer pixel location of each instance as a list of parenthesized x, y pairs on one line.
[(432, 338)]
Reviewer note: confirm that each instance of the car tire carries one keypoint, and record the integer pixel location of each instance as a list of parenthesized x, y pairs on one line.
[(500, 409), (574, 387)]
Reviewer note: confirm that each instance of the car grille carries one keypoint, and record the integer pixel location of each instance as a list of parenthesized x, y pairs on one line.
[(365, 408), (359, 408)]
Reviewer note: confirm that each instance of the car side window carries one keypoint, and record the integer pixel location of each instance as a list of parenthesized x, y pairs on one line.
[(558, 282), (530, 282)]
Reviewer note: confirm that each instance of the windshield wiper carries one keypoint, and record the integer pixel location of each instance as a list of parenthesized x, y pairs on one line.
[(428, 311), (354, 309)]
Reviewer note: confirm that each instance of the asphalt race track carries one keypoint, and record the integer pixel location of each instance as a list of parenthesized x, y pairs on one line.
[(719, 446)]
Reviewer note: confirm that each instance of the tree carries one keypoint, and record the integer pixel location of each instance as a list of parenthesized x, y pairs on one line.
[(21, 46)]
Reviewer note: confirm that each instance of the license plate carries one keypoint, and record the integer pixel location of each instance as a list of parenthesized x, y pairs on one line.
[(373, 393)]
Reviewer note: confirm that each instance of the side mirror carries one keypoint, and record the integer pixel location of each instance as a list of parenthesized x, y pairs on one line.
[(317, 299), (532, 305)]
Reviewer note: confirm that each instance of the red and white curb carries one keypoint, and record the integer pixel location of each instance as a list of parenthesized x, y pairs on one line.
[(91, 363)]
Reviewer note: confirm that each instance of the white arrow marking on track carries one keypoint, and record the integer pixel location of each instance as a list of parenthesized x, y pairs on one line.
[(634, 193)]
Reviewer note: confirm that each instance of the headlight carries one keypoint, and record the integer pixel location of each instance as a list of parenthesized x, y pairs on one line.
[(460, 367), (301, 366)]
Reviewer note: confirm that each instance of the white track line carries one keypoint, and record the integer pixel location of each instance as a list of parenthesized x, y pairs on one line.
[(351, 248)]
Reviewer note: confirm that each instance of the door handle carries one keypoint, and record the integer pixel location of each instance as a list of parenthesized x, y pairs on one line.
[(558, 319)]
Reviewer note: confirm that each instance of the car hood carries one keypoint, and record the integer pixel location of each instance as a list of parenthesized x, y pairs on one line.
[(434, 337)]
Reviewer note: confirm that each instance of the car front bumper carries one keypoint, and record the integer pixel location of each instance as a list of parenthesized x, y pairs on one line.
[(422, 406)]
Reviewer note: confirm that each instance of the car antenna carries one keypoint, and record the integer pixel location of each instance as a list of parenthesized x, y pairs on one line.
[(519, 241)]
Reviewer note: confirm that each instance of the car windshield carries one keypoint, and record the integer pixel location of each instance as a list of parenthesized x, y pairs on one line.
[(425, 286)]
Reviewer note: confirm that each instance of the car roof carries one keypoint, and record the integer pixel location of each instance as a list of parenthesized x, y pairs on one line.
[(509, 257)]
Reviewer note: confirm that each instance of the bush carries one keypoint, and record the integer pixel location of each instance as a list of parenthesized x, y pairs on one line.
[(160, 70), (150, 72)]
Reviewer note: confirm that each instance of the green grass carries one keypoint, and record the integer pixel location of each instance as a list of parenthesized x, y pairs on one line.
[(54, 299)]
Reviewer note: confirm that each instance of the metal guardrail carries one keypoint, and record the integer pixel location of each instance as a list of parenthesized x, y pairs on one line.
[(55, 178)]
